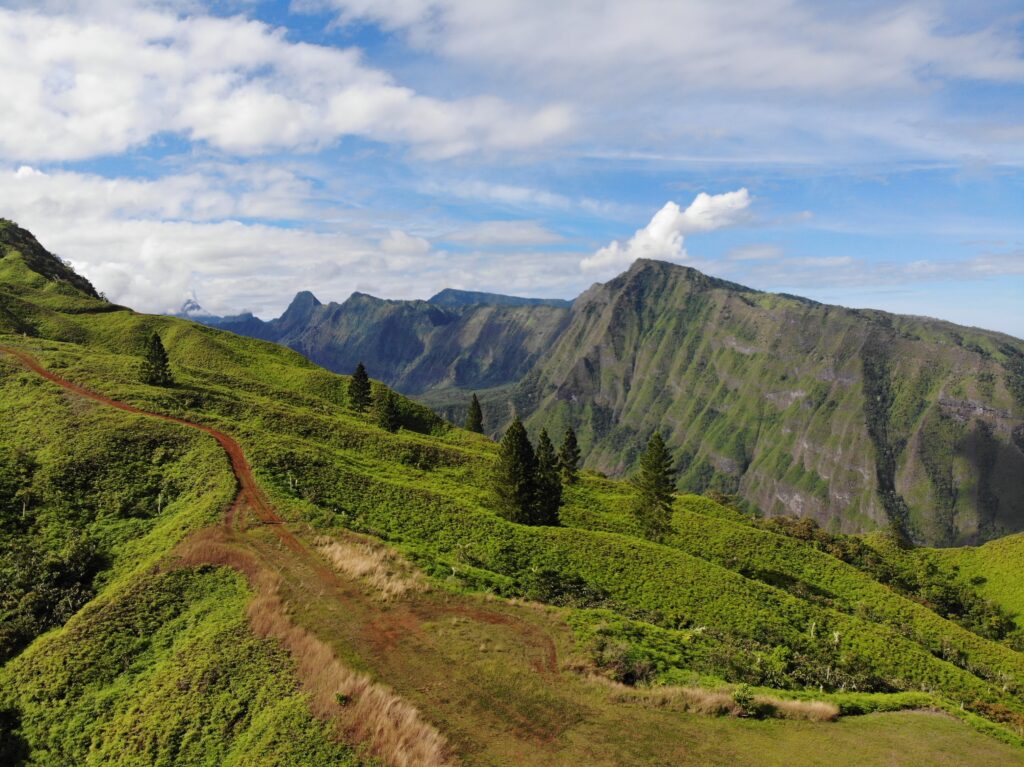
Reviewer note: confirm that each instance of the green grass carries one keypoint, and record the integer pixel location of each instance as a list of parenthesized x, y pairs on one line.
[(997, 567), (720, 601)]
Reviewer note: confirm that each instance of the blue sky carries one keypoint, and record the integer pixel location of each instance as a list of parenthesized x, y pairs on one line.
[(860, 153)]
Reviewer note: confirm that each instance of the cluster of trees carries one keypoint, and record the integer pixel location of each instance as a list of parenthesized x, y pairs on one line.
[(527, 482), (528, 479)]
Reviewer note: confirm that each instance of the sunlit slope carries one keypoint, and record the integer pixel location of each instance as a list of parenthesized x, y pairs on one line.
[(706, 608)]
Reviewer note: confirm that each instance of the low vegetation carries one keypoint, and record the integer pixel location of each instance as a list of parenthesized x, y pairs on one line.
[(120, 650)]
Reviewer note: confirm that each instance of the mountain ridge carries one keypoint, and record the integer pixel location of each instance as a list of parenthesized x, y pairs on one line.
[(933, 436)]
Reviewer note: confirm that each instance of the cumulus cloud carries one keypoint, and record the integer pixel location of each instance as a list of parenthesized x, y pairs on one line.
[(81, 82), (663, 237)]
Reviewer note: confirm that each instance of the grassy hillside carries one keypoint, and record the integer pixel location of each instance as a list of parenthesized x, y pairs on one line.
[(129, 652), (996, 570), (860, 420)]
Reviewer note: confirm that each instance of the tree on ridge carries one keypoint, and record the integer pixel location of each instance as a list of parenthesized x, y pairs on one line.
[(569, 457), (475, 416), (547, 483), (656, 490), (359, 389), (156, 368), (515, 475)]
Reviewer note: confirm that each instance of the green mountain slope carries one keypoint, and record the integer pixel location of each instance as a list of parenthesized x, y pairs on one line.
[(857, 419), (854, 418), (155, 662)]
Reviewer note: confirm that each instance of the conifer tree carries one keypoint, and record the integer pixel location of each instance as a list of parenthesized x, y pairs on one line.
[(569, 457), (548, 484), (385, 409), (475, 416), (359, 389), (156, 369), (653, 508), (514, 481)]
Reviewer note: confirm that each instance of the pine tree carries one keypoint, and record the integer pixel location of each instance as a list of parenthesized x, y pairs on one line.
[(653, 508), (385, 409), (475, 416), (156, 369), (548, 484), (569, 457), (515, 474), (359, 389)]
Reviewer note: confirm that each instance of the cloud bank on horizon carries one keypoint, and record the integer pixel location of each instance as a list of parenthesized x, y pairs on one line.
[(239, 152)]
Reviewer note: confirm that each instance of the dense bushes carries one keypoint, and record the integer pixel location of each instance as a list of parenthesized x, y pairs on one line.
[(42, 587), (915, 574)]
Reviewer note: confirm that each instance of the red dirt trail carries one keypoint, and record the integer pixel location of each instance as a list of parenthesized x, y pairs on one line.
[(250, 497), (249, 492), (399, 623)]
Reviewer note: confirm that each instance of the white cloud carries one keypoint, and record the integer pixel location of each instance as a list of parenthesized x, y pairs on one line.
[(215, 192), (503, 194), (398, 242), (756, 252), (773, 44), (151, 244), (772, 79), (662, 238), (490, 233), (101, 80)]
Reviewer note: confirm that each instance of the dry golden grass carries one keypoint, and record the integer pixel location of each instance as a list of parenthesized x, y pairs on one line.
[(364, 711), (806, 710), (382, 568), (698, 700)]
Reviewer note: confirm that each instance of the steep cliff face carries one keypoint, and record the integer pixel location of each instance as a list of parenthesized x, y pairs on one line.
[(860, 419), (856, 418), (466, 340)]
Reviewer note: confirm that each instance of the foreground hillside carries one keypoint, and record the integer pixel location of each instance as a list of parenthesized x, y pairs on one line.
[(363, 577), (860, 420)]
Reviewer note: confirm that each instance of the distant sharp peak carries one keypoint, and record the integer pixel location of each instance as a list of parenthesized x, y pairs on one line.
[(303, 303), (300, 310), (306, 298), (191, 308), (452, 297)]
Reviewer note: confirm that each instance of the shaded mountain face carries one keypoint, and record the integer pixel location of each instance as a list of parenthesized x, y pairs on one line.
[(859, 419), (458, 339)]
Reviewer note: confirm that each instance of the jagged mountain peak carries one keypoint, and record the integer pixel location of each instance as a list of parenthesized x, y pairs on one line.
[(644, 269), (303, 302)]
